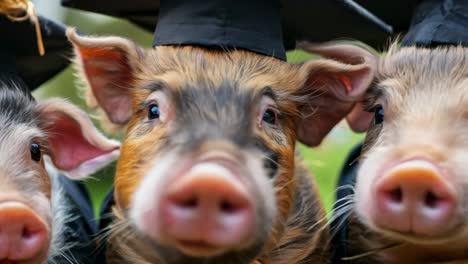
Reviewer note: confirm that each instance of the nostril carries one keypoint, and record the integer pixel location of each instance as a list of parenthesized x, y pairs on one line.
[(395, 195), (26, 233), (228, 207), (431, 200), (187, 203)]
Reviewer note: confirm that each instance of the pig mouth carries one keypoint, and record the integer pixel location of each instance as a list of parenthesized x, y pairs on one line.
[(30, 261), (418, 239), (202, 252), (7, 261), (199, 248)]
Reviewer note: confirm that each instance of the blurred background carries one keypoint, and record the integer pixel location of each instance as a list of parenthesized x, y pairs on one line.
[(325, 161)]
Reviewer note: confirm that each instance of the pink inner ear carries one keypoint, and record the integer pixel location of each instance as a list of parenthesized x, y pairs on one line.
[(109, 75), (68, 147), (346, 81)]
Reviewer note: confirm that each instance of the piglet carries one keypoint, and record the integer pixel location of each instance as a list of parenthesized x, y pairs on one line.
[(208, 171), (35, 139), (411, 193)]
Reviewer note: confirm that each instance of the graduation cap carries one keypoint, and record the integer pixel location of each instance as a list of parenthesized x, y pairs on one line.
[(260, 21), (425, 22), (25, 37)]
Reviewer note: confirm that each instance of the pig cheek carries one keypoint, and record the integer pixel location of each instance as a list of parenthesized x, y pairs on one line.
[(365, 182), (283, 184), (127, 178), (45, 181), (284, 196), (284, 187), (41, 205), (144, 209), (266, 202), (137, 156), (42, 195), (460, 180)]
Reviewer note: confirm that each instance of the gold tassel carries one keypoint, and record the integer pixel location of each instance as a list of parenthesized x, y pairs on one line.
[(21, 10)]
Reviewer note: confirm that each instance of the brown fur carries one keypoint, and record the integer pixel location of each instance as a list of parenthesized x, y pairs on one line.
[(304, 240), (256, 72), (215, 95)]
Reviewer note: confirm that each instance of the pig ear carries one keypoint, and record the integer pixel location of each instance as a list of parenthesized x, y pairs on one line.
[(107, 65), (73, 143), (334, 86)]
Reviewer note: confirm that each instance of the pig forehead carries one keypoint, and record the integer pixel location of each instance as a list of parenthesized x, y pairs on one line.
[(411, 66), (14, 147), (225, 95), (14, 137), (426, 72), (16, 106), (189, 65)]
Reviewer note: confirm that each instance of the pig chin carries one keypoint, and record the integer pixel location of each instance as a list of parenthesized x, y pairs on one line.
[(173, 255), (204, 211)]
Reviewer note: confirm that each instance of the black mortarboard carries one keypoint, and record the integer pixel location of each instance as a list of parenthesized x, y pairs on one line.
[(19, 54), (439, 22), (254, 24)]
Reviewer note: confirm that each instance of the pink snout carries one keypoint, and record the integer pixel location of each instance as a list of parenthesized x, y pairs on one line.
[(207, 211), (23, 234), (414, 197)]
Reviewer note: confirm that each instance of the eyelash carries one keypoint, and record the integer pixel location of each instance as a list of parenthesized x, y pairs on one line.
[(369, 104)]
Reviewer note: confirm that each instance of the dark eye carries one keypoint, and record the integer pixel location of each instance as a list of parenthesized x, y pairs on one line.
[(269, 116), (378, 114), (153, 112), (35, 151)]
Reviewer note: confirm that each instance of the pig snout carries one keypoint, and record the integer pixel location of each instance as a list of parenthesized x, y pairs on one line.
[(211, 205), (209, 196), (207, 209), (415, 197), (23, 234)]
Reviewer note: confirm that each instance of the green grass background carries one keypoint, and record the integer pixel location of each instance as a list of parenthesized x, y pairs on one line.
[(324, 161)]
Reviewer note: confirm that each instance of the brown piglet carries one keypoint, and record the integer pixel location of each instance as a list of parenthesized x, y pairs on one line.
[(411, 195), (209, 171)]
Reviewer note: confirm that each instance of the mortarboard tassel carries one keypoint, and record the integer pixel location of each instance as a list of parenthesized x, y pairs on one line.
[(21, 10)]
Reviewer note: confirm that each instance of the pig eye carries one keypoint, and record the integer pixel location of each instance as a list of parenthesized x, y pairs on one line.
[(270, 116), (35, 151), (378, 114), (153, 112)]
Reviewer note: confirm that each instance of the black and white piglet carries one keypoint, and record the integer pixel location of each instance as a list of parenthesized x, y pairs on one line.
[(37, 140)]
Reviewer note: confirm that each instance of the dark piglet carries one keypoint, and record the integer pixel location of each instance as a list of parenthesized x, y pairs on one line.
[(208, 171), (36, 141)]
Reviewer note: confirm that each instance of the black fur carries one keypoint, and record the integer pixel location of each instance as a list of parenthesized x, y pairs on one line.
[(16, 102)]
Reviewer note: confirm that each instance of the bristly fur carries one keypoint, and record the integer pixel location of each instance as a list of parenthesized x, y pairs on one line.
[(304, 240), (18, 126), (60, 218), (17, 103), (424, 92), (209, 96), (211, 106)]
